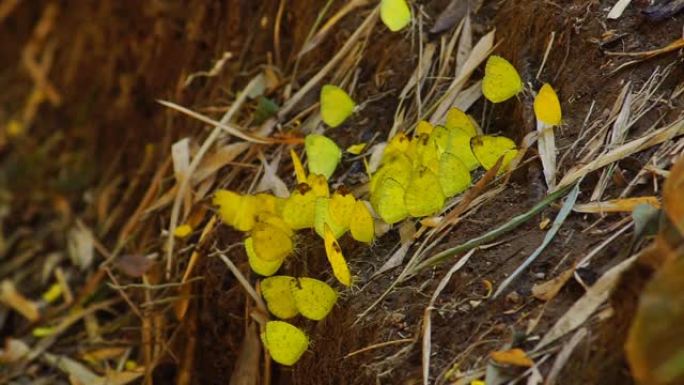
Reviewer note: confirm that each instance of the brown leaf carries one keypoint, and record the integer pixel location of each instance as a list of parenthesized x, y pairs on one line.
[(515, 357), (548, 290), (673, 195)]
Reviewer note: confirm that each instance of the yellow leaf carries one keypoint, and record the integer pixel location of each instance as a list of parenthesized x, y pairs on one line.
[(515, 357), (335, 257), (298, 168), (182, 231), (501, 80), (356, 149), (336, 105), (285, 343), (547, 107), (396, 14)]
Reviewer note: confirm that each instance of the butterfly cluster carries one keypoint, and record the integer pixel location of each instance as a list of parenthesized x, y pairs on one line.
[(417, 175), (270, 223)]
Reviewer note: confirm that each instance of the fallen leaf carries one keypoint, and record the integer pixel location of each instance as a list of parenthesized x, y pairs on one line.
[(133, 265), (616, 205), (548, 290), (515, 357), (673, 199)]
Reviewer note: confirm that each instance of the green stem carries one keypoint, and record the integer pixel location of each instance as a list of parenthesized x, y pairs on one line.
[(488, 237)]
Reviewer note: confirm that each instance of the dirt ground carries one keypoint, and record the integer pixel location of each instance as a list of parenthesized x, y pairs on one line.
[(92, 152)]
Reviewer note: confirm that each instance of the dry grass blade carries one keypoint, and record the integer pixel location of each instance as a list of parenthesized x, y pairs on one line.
[(327, 27), (512, 224), (196, 161), (427, 320), (659, 136), (564, 355), (546, 144), (618, 9), (365, 27), (243, 282), (616, 205), (479, 53), (232, 130), (557, 223), (675, 45), (587, 304)]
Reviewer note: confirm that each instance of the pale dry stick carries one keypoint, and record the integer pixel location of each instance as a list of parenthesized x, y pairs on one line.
[(656, 137), (419, 102), (564, 355), (367, 24), (427, 320), (243, 281), (585, 261), (314, 40), (378, 346), (546, 54), (276, 33), (213, 136)]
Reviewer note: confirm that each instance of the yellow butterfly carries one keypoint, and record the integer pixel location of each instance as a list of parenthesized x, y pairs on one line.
[(396, 14), (323, 155), (388, 200), (399, 169), (424, 127), (258, 265), (458, 119), (278, 296), (501, 80), (314, 299), (457, 142), (361, 224), (322, 218), (424, 194), (284, 342), (298, 209), (236, 210), (488, 150), (335, 257), (396, 146), (454, 177), (336, 105), (319, 185), (547, 107), (270, 242)]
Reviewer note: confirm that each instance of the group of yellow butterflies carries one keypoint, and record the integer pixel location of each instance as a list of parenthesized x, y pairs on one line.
[(415, 177)]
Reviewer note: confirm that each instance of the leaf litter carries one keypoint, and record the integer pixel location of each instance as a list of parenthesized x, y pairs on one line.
[(623, 145)]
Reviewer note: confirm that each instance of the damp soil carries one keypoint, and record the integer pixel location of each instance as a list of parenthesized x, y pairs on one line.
[(122, 56)]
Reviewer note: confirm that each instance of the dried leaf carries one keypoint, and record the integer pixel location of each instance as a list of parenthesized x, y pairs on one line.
[(81, 246), (180, 155), (580, 311), (451, 15), (515, 357), (626, 205), (673, 198), (13, 299), (548, 290), (246, 370)]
